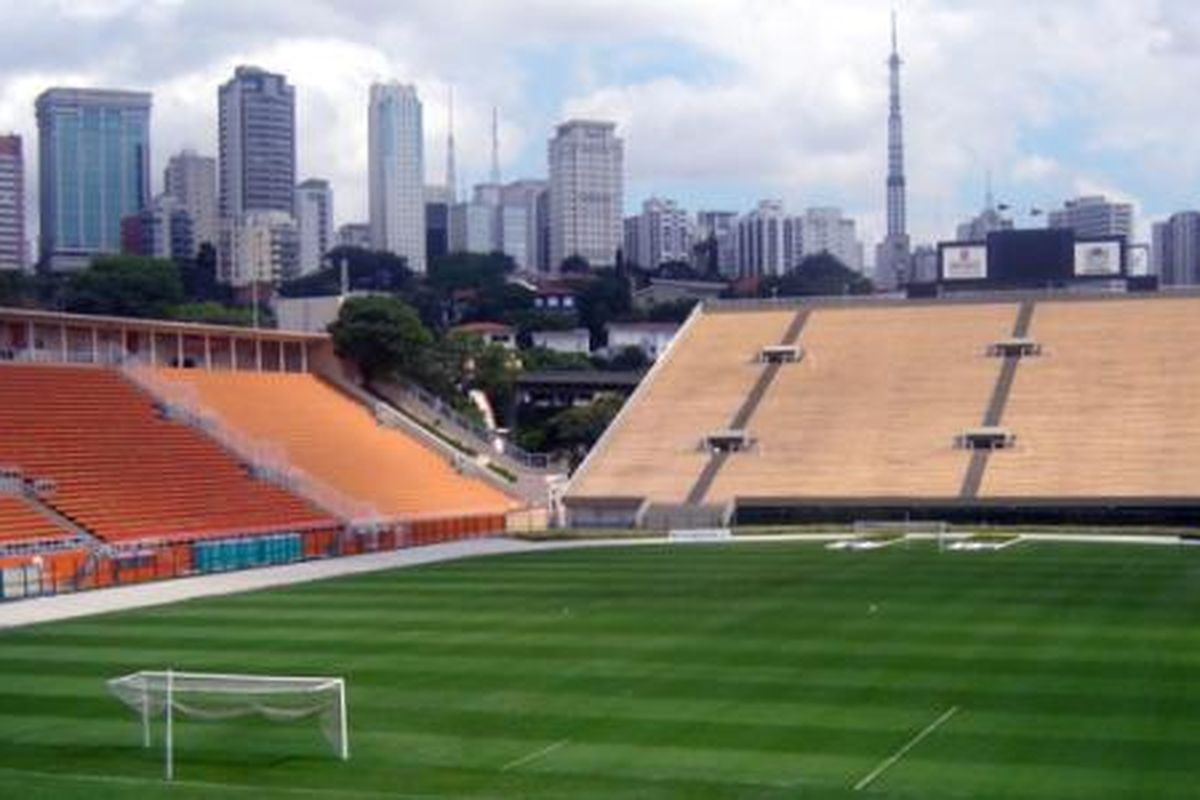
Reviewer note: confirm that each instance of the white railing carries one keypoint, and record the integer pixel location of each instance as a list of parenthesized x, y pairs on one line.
[(267, 460)]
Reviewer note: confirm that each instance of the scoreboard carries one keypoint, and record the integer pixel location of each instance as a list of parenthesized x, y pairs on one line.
[(1031, 258)]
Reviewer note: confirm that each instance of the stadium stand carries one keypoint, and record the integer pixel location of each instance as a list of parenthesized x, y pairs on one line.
[(122, 471), (337, 440), (880, 408), (657, 452), (873, 408), (1109, 409), (21, 523)]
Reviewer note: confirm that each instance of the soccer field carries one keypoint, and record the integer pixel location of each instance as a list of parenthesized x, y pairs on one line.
[(743, 671)]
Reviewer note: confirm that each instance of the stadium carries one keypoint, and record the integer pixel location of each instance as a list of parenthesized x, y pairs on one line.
[(933, 547)]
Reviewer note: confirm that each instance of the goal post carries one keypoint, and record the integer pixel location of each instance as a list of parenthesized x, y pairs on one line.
[(903, 529), (217, 696)]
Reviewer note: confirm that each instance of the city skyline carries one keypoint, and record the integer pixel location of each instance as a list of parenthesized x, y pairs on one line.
[(720, 72)]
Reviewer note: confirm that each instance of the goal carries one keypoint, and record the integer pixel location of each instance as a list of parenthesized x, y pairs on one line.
[(902, 529), (214, 696)]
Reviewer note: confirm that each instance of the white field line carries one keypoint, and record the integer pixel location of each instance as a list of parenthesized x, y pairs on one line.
[(899, 754), (534, 756), (212, 786)]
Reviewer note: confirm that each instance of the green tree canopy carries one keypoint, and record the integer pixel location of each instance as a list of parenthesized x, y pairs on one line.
[(383, 336), (126, 286), (819, 274), (367, 270)]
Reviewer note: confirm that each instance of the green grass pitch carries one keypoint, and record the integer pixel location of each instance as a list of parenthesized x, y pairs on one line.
[(744, 671)]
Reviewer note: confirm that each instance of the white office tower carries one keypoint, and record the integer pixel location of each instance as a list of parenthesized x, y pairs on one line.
[(264, 248), (661, 233), (314, 218), (586, 192), (192, 180), (767, 241), (1094, 216), (1176, 250), (826, 230), (396, 167)]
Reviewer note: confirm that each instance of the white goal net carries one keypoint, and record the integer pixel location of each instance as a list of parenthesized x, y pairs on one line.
[(211, 696)]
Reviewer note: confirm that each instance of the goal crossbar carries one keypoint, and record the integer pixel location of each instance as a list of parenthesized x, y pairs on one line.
[(223, 696)]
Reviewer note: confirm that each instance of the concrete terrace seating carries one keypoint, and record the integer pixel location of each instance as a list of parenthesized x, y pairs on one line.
[(21, 523), (1110, 408), (124, 472), (872, 410), (656, 451), (339, 442)]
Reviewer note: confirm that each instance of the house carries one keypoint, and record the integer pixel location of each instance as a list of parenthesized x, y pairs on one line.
[(651, 338), (573, 341), (667, 290), (489, 333)]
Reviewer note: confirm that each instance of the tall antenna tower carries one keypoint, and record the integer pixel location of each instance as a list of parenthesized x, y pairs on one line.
[(451, 178), (495, 146)]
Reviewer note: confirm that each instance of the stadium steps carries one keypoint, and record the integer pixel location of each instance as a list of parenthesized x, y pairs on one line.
[(994, 414), (741, 420)]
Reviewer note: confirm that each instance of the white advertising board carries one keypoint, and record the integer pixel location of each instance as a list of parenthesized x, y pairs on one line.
[(964, 262), (1097, 258)]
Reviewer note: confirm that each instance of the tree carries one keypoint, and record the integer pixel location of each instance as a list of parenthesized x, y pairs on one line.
[(629, 359), (603, 300), (367, 270), (384, 337), (577, 429), (575, 265), (819, 274), (199, 276), (214, 313), (126, 286)]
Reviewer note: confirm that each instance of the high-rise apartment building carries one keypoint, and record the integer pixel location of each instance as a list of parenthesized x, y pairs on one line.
[(314, 220), (1176, 249), (13, 249), (586, 160), (1094, 216), (716, 235), (191, 179), (396, 172), (354, 234), (265, 249), (827, 230), (768, 241), (163, 229), (93, 170), (257, 130), (530, 196), (661, 233)]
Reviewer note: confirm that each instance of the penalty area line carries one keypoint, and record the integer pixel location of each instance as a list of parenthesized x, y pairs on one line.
[(870, 777), (534, 756)]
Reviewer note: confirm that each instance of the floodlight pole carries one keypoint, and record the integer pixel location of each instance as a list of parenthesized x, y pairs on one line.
[(170, 754)]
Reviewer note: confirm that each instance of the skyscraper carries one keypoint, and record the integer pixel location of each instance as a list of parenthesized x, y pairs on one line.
[(192, 180), (892, 256), (1094, 216), (314, 218), (13, 252), (257, 129), (94, 169), (1177, 249), (586, 192), (396, 172), (827, 230), (661, 233)]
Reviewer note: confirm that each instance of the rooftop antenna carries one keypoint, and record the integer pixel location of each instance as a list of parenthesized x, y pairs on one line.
[(989, 199), (495, 147)]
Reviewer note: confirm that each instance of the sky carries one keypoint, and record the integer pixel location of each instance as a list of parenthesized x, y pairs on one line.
[(721, 103)]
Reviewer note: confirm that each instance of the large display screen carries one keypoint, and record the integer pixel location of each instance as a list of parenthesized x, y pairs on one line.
[(1031, 257), (964, 262), (1098, 258)]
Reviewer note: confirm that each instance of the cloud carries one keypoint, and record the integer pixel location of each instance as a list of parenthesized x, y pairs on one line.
[(723, 101)]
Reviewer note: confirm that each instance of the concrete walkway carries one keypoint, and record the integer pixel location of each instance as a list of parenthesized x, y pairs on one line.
[(142, 595)]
